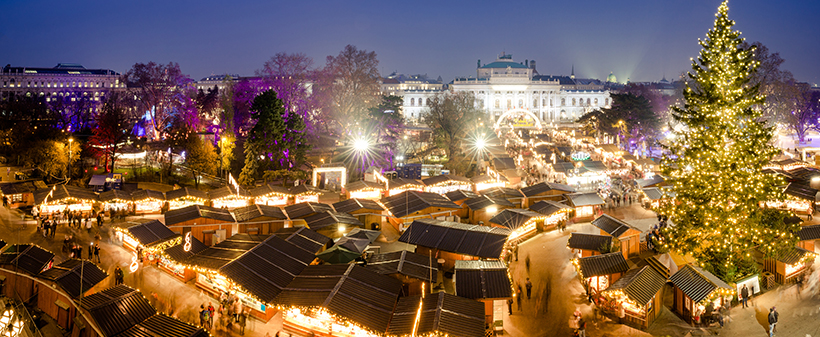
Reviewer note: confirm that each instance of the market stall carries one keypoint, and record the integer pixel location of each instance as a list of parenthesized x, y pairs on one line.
[(489, 180), (438, 314), (332, 224), (399, 185), (64, 197), (116, 200), (599, 271), (304, 238), (789, 266), (259, 219), (451, 241), (21, 193), (148, 201), (271, 194), (483, 208), (585, 204), (523, 222), (629, 237), (556, 213), (298, 212), (694, 290), (185, 197), (545, 191), (305, 193), (364, 190), (208, 224), (485, 281), (459, 197), (148, 239), (369, 212), (315, 301), (638, 295), (415, 271), (172, 258), (408, 206), (583, 245), (444, 183), (808, 236), (228, 197), (512, 195)]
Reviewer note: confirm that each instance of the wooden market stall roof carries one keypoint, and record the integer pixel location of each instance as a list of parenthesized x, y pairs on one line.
[(793, 256), (441, 314), (264, 270), (549, 207), (193, 212), (459, 195), (809, 233), (21, 186), (363, 184), (117, 309), (268, 189), (403, 182), (585, 199), (405, 263), (482, 279), (164, 325), (304, 238), (503, 192), (484, 201), (224, 252), (151, 233), (514, 217), (451, 178), (328, 219), (588, 241), (258, 212), (409, 202), (352, 205), (697, 283), (140, 195), (481, 241), (30, 258), (304, 189), (67, 275), (656, 180), (350, 291), (612, 226), (228, 191), (63, 192), (600, 265), (639, 285), (653, 193), (115, 195), (178, 254), (186, 192), (544, 187), (305, 209), (802, 190)]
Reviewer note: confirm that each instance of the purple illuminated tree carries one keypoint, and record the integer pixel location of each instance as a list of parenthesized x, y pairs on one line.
[(76, 110), (244, 92), (161, 91), (291, 76)]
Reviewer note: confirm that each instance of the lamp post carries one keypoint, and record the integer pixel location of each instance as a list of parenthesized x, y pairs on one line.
[(70, 142)]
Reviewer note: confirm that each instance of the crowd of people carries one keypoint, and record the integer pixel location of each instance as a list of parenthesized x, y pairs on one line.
[(231, 314)]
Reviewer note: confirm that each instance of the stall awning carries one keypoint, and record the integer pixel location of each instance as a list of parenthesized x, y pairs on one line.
[(305, 209), (178, 253), (481, 241), (809, 233), (548, 207), (405, 263), (612, 226), (600, 265), (64, 192), (229, 191), (151, 233), (267, 268), (409, 202), (224, 252), (441, 314), (350, 291), (793, 256), (140, 195), (544, 187), (482, 279), (697, 283), (514, 218), (588, 241), (585, 199), (67, 275), (352, 205), (30, 258), (176, 216), (115, 196), (639, 285), (446, 178), (304, 189), (269, 189), (304, 238), (118, 309)]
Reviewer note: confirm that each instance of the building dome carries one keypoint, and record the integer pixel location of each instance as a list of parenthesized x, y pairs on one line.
[(611, 78)]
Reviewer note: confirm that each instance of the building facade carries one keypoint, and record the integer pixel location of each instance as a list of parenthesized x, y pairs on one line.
[(64, 81), (415, 90), (505, 88)]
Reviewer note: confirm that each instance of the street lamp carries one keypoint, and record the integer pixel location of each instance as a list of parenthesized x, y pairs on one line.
[(70, 142)]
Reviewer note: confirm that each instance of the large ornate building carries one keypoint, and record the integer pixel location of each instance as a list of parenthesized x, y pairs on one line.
[(505, 88), (64, 80), (415, 90)]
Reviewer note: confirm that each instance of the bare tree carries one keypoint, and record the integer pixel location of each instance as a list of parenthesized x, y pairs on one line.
[(451, 116), (291, 76), (350, 82), (161, 90)]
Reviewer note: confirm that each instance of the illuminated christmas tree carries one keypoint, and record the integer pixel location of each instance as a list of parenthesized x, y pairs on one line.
[(715, 163)]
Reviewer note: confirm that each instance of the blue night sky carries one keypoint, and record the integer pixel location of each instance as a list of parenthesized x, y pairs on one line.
[(637, 39)]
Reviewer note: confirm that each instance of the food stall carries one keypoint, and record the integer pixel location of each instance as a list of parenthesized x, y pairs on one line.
[(638, 294), (694, 289), (364, 190), (229, 197), (305, 193), (399, 185), (115, 200), (21, 193), (147, 201), (444, 183), (483, 208), (172, 258), (598, 272), (61, 197), (149, 238), (271, 194), (585, 204), (554, 212), (789, 266), (185, 197)]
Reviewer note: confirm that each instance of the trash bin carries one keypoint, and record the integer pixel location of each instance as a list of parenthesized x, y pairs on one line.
[(768, 280)]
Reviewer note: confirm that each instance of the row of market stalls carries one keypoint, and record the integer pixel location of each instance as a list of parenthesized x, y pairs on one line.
[(440, 184), (74, 294)]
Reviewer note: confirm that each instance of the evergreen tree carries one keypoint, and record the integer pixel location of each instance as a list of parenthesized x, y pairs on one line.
[(715, 165)]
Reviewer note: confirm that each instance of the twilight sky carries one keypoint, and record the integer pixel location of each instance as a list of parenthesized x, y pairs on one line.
[(637, 39)]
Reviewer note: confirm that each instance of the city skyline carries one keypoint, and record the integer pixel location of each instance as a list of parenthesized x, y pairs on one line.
[(655, 39)]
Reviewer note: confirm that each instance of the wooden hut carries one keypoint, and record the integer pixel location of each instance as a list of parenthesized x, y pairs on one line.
[(364, 190), (61, 197), (415, 271), (808, 237), (640, 293), (485, 281), (298, 212), (369, 212), (694, 289), (555, 212), (209, 225), (271, 194), (304, 193), (629, 237), (332, 224), (788, 267), (444, 183), (523, 223), (150, 238), (229, 197), (585, 204), (459, 197), (66, 280), (545, 191), (483, 182), (21, 193), (450, 241), (404, 208), (483, 208), (184, 197), (589, 244), (172, 258), (259, 219), (148, 201), (399, 185), (116, 200), (512, 195), (598, 272), (438, 314), (304, 238)]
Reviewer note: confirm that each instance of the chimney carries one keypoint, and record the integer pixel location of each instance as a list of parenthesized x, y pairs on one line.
[(532, 65), (527, 63), (479, 64)]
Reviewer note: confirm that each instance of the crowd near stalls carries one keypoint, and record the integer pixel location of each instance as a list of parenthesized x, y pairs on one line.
[(230, 197), (184, 197), (20, 193), (271, 194), (62, 198)]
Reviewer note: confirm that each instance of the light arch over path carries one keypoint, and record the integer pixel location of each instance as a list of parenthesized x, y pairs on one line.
[(518, 111)]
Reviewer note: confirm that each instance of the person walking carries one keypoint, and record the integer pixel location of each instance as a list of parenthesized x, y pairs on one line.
[(582, 327), (509, 305), (518, 297), (203, 317), (211, 313), (515, 251), (744, 294), (773, 315), (529, 288), (243, 320), (118, 276)]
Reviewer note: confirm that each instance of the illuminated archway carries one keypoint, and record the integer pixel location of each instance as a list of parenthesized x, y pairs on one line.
[(513, 112), (341, 170)]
